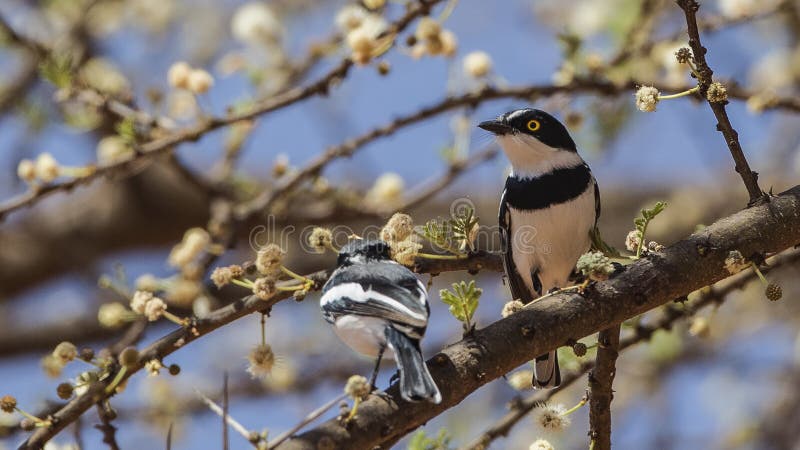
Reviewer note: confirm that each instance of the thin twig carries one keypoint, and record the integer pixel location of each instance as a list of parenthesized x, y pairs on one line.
[(155, 147), (226, 445), (707, 25), (218, 410), (106, 427), (454, 170), (705, 78), (312, 416), (521, 408), (264, 201), (641, 29)]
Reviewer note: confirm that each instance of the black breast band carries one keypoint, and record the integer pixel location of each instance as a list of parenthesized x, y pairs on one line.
[(558, 186)]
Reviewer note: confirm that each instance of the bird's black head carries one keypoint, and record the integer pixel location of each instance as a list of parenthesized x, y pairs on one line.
[(363, 250), (532, 122)]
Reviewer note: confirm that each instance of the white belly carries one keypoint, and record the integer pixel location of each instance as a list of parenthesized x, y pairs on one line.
[(365, 335), (552, 239)]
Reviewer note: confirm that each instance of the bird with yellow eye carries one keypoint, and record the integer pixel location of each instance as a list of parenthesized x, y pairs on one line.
[(549, 205)]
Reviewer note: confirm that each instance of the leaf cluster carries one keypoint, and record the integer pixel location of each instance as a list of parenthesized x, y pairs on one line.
[(420, 441), (462, 300), (57, 70), (455, 235), (642, 222)]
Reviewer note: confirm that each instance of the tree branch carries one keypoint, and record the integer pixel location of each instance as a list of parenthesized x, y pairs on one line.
[(601, 381), (265, 200), (182, 336), (464, 367), (716, 295), (108, 429), (704, 79), (490, 353), (155, 147)]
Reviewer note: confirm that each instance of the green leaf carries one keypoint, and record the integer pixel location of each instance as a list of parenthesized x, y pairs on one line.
[(420, 441), (454, 235), (464, 225), (642, 222), (570, 44), (462, 300), (57, 69), (417, 441), (650, 214), (437, 233), (599, 245), (126, 128)]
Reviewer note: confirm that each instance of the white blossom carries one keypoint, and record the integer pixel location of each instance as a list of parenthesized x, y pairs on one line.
[(26, 170), (255, 23), (552, 417), (350, 17), (477, 64), (387, 190), (260, 361), (178, 75), (647, 98), (154, 309), (200, 81), (47, 168)]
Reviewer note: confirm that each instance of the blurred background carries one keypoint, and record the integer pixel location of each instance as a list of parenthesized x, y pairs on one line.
[(70, 68)]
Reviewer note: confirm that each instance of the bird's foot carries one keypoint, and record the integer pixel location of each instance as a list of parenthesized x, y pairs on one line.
[(382, 394)]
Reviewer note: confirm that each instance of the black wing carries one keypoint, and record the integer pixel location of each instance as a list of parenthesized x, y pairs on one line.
[(515, 282), (596, 202), (385, 290)]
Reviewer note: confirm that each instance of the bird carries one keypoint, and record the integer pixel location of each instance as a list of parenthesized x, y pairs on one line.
[(380, 308), (549, 205)]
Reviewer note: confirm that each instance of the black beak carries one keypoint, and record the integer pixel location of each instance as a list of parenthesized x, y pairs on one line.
[(496, 126)]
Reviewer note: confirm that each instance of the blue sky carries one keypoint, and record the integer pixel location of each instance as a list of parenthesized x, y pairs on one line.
[(678, 144)]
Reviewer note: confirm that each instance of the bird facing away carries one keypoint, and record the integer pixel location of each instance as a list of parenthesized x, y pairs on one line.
[(548, 207), (378, 307)]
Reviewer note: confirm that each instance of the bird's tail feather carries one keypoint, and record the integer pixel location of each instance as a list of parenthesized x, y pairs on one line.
[(545, 371), (416, 383)]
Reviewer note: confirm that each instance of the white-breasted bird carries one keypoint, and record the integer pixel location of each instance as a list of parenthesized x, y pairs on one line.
[(549, 205), (380, 308)]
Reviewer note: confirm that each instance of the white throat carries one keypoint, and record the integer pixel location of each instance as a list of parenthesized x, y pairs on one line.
[(530, 158)]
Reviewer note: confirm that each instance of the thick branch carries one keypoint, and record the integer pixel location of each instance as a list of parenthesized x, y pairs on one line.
[(490, 353), (705, 77), (462, 368), (713, 296), (601, 381)]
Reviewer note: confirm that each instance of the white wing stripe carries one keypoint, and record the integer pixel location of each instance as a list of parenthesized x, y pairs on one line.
[(356, 292), (423, 293)]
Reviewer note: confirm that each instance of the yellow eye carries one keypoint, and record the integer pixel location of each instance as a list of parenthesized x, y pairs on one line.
[(534, 125)]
